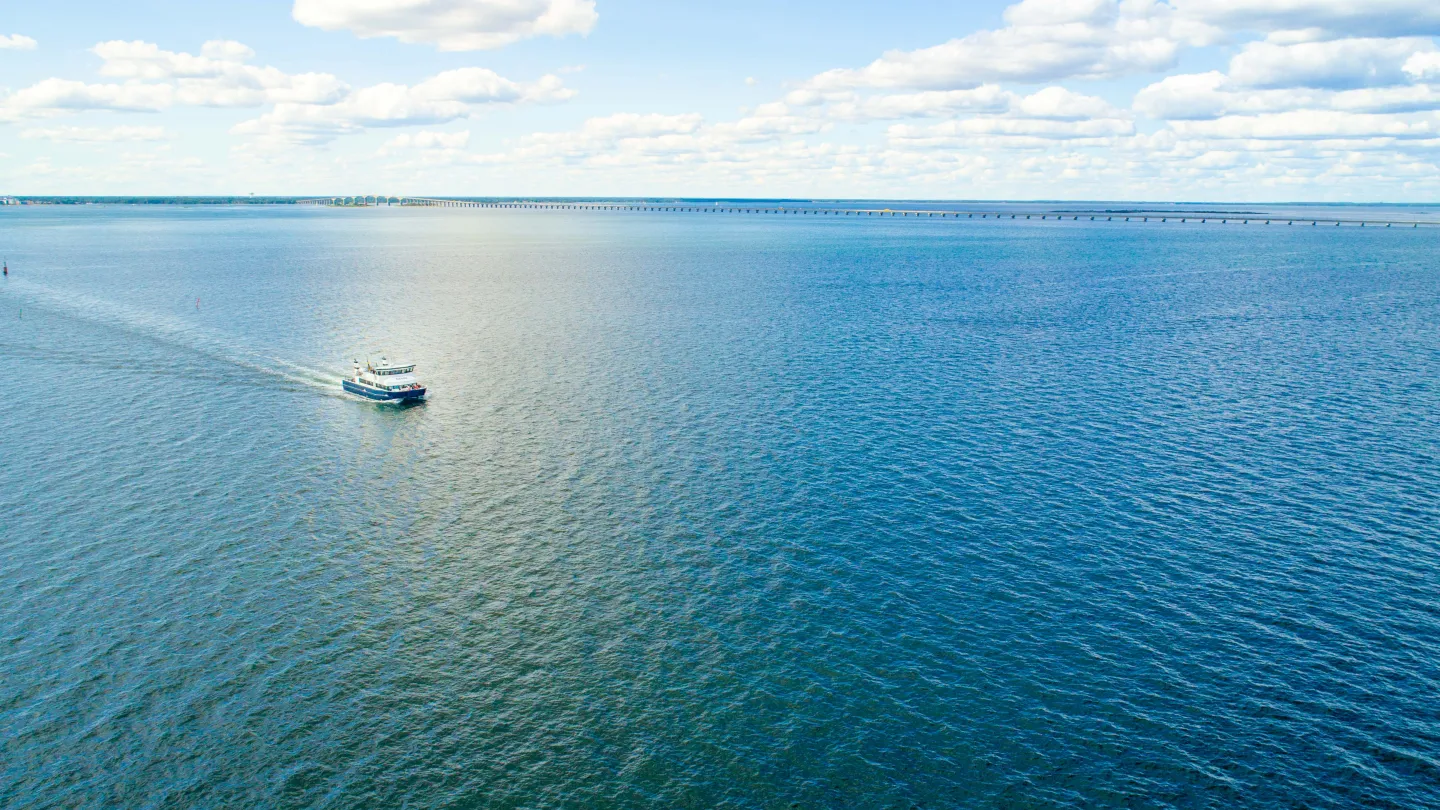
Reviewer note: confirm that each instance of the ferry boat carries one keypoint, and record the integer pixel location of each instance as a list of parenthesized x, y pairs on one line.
[(385, 381)]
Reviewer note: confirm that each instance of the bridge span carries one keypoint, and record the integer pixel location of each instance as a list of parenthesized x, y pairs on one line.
[(802, 210)]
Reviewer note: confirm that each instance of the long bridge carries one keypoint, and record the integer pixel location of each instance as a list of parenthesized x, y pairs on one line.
[(806, 210)]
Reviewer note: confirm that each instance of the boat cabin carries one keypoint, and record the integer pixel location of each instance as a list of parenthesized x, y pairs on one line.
[(388, 376)]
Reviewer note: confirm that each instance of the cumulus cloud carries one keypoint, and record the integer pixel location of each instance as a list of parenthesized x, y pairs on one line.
[(1423, 66), (1312, 125), (305, 108), (639, 140), (58, 96), (153, 79), (481, 86), (1331, 92), (428, 146), (1416, 98), (1186, 97), (218, 77), (145, 60), (1317, 19), (1335, 44), (1305, 84), (445, 97), (1061, 104), (17, 42), (450, 25), (771, 132), (1333, 64), (95, 134), (1316, 91), (1045, 40)]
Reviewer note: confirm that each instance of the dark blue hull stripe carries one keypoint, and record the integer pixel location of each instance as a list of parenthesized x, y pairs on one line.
[(381, 396)]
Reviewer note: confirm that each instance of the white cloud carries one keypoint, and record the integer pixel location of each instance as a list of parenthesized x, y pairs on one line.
[(426, 139), (1422, 66), (1415, 98), (768, 122), (145, 60), (429, 146), (626, 132), (307, 108), (1045, 40), (57, 96), (1329, 72), (1061, 104), (445, 97), (771, 140), (1192, 96), (155, 79), (17, 42), (1316, 19), (1187, 96), (1344, 75), (1336, 94), (481, 86), (155, 171), (987, 98), (1093, 39), (1333, 64), (1054, 102), (768, 140), (1304, 105), (1313, 124), (450, 25), (96, 134), (997, 129), (218, 77)]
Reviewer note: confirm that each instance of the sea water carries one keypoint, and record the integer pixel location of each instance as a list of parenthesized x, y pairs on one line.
[(716, 510)]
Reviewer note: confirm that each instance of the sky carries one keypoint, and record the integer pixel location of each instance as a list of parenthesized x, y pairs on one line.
[(1236, 100)]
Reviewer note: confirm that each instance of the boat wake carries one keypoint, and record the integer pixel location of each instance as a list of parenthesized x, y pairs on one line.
[(175, 332)]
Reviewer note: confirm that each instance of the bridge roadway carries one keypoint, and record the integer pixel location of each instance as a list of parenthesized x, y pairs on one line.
[(862, 212)]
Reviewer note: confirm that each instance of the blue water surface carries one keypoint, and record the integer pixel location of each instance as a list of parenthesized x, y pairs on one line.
[(716, 511)]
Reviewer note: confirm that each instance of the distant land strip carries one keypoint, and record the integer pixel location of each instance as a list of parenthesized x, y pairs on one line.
[(762, 207)]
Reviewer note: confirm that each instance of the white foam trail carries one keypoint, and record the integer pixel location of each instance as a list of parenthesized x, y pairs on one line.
[(320, 375), (187, 336)]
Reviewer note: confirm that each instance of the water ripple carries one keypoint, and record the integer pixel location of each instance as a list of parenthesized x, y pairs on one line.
[(714, 511)]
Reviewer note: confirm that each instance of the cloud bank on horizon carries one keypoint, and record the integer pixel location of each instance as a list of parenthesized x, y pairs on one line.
[(1180, 99)]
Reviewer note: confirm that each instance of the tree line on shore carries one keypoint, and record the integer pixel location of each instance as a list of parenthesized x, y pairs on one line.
[(105, 200)]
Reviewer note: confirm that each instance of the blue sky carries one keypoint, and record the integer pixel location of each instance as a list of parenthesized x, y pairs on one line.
[(1056, 99)]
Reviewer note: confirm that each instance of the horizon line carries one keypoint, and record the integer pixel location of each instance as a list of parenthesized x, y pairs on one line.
[(288, 198)]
